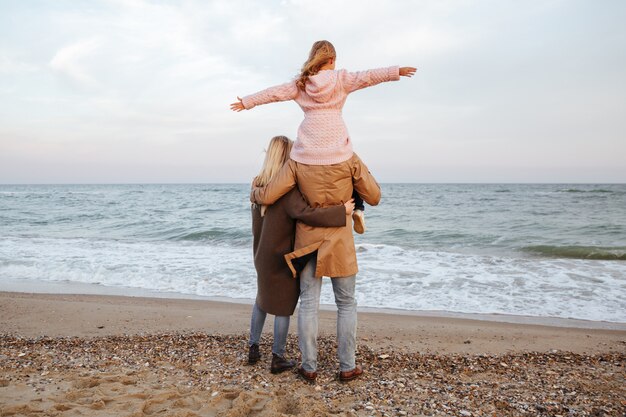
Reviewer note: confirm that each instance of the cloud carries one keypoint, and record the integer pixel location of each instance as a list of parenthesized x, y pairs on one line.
[(71, 61), (264, 26), (420, 41), (9, 65)]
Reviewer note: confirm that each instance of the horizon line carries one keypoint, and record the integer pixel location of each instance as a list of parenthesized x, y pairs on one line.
[(381, 182)]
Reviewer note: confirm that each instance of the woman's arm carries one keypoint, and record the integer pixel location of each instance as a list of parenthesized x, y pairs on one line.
[(353, 81), (283, 92), (284, 181), (335, 216), (364, 182)]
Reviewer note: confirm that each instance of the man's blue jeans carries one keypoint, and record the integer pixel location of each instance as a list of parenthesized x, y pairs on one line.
[(281, 328), (310, 288)]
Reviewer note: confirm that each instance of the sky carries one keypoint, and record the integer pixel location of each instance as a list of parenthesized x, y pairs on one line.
[(138, 91)]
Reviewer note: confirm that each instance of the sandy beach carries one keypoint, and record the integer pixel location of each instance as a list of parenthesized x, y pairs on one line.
[(102, 355)]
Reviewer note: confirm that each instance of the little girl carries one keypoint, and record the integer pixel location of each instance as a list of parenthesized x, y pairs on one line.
[(321, 92)]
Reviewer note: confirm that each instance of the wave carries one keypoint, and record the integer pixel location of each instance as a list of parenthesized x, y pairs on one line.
[(212, 235), (389, 276), (580, 252), (577, 190)]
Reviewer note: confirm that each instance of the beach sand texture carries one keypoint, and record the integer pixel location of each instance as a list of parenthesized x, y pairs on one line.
[(78, 355)]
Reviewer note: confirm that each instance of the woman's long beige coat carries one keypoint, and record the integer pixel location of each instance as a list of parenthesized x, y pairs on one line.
[(323, 186)]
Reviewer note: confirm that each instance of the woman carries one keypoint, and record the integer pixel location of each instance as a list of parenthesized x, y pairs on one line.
[(273, 229)]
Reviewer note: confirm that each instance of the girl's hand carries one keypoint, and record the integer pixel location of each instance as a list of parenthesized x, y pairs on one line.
[(407, 71), (238, 105), (349, 205)]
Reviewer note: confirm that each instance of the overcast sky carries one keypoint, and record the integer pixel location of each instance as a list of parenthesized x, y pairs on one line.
[(120, 91)]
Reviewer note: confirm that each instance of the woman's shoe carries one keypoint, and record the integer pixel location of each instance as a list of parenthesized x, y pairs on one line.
[(345, 376), (280, 364), (253, 354)]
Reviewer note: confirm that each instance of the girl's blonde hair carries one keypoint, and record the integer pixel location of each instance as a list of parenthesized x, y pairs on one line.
[(275, 157), (321, 53)]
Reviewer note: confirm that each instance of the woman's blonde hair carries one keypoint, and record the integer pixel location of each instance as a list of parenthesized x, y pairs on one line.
[(321, 53), (275, 157)]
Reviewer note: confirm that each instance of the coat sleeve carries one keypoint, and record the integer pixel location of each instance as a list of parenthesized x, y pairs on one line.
[(297, 208), (284, 181), (353, 81), (364, 182), (283, 92)]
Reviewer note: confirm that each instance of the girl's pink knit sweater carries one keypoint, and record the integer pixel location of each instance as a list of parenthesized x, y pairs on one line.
[(322, 136)]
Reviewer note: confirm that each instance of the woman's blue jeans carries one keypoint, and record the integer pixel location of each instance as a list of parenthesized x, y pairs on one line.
[(281, 328), (310, 288)]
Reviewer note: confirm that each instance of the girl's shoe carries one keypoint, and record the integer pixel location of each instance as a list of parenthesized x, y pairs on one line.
[(358, 217)]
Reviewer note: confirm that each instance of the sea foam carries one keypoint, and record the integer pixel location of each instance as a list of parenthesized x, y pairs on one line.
[(389, 276)]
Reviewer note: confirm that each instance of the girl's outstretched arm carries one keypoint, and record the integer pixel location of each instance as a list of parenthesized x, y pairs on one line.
[(283, 92), (353, 81)]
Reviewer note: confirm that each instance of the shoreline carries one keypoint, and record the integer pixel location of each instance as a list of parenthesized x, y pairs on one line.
[(77, 288), (95, 315)]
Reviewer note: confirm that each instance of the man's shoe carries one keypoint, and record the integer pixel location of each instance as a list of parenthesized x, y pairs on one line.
[(253, 354), (358, 217), (307, 376), (280, 364), (345, 376)]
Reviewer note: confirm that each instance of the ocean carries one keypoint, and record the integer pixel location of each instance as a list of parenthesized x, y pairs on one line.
[(546, 250)]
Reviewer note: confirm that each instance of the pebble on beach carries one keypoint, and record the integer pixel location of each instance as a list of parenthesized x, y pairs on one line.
[(200, 374)]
